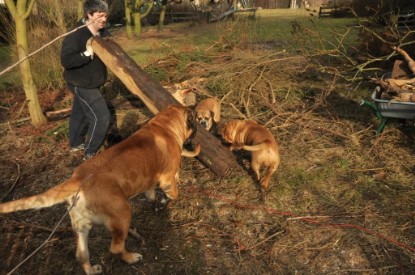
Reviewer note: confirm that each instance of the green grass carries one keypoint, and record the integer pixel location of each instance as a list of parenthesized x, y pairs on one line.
[(269, 26)]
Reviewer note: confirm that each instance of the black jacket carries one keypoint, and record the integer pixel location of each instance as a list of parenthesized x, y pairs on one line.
[(80, 70)]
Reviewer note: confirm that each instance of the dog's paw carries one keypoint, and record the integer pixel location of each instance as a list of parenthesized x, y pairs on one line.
[(96, 269), (161, 201), (161, 205), (132, 257)]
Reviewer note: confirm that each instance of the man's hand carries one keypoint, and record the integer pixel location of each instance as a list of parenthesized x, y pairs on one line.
[(89, 50)]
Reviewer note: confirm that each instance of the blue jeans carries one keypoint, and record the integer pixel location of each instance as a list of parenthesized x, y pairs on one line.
[(89, 119)]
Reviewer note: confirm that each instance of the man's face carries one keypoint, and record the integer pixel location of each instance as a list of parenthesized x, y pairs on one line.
[(99, 19)]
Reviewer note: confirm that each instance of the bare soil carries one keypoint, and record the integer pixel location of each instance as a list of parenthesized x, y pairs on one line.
[(342, 201)]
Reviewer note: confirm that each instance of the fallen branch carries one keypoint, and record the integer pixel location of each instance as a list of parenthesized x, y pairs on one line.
[(59, 114)]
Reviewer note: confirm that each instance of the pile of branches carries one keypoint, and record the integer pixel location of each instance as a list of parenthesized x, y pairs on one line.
[(401, 86)]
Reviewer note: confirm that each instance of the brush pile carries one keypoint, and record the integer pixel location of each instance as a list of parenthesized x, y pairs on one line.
[(401, 86)]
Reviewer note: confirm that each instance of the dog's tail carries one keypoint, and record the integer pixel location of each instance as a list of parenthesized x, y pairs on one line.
[(191, 154), (257, 147), (55, 195)]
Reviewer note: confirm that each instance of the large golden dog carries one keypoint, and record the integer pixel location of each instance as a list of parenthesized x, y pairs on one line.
[(250, 136), (99, 189)]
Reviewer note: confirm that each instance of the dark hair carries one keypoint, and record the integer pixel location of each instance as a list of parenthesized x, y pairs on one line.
[(92, 6)]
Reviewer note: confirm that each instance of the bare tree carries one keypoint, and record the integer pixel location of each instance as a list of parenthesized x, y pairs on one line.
[(128, 10), (137, 15), (162, 14), (20, 10), (132, 13)]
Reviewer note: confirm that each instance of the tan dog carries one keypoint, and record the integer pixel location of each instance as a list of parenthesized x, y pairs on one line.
[(208, 112), (99, 189), (250, 136)]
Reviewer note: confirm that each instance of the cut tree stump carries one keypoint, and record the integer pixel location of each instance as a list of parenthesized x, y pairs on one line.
[(213, 154)]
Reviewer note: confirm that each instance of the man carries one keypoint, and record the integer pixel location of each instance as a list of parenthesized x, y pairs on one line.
[(85, 74)]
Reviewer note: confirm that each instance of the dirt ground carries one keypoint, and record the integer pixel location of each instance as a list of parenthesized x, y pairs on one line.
[(342, 201)]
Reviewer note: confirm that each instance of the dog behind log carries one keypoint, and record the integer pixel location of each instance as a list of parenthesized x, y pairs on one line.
[(208, 112), (99, 189), (250, 136)]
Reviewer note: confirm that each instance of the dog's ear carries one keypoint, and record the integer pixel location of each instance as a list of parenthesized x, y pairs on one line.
[(191, 122)]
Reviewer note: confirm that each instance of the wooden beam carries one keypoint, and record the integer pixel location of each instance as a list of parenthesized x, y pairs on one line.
[(213, 154)]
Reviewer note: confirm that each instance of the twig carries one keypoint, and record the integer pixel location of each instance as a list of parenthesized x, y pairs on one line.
[(309, 217), (22, 108), (266, 239), (16, 121), (246, 103), (239, 112), (35, 226), (14, 183), (368, 169), (273, 100)]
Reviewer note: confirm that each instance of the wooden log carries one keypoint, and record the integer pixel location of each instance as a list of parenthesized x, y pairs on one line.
[(59, 114), (213, 154)]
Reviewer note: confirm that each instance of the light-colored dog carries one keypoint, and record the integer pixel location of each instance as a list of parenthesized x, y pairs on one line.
[(250, 136), (208, 112), (98, 191)]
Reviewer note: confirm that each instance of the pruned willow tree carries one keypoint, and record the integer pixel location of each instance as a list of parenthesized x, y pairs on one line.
[(162, 14), (20, 11), (133, 11)]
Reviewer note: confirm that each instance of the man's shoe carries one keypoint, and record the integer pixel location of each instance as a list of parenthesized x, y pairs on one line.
[(88, 156), (77, 148)]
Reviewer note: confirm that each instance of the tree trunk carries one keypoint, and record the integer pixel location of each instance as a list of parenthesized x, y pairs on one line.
[(213, 154), (59, 17), (162, 17), (19, 13), (145, 14), (128, 18), (136, 17)]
